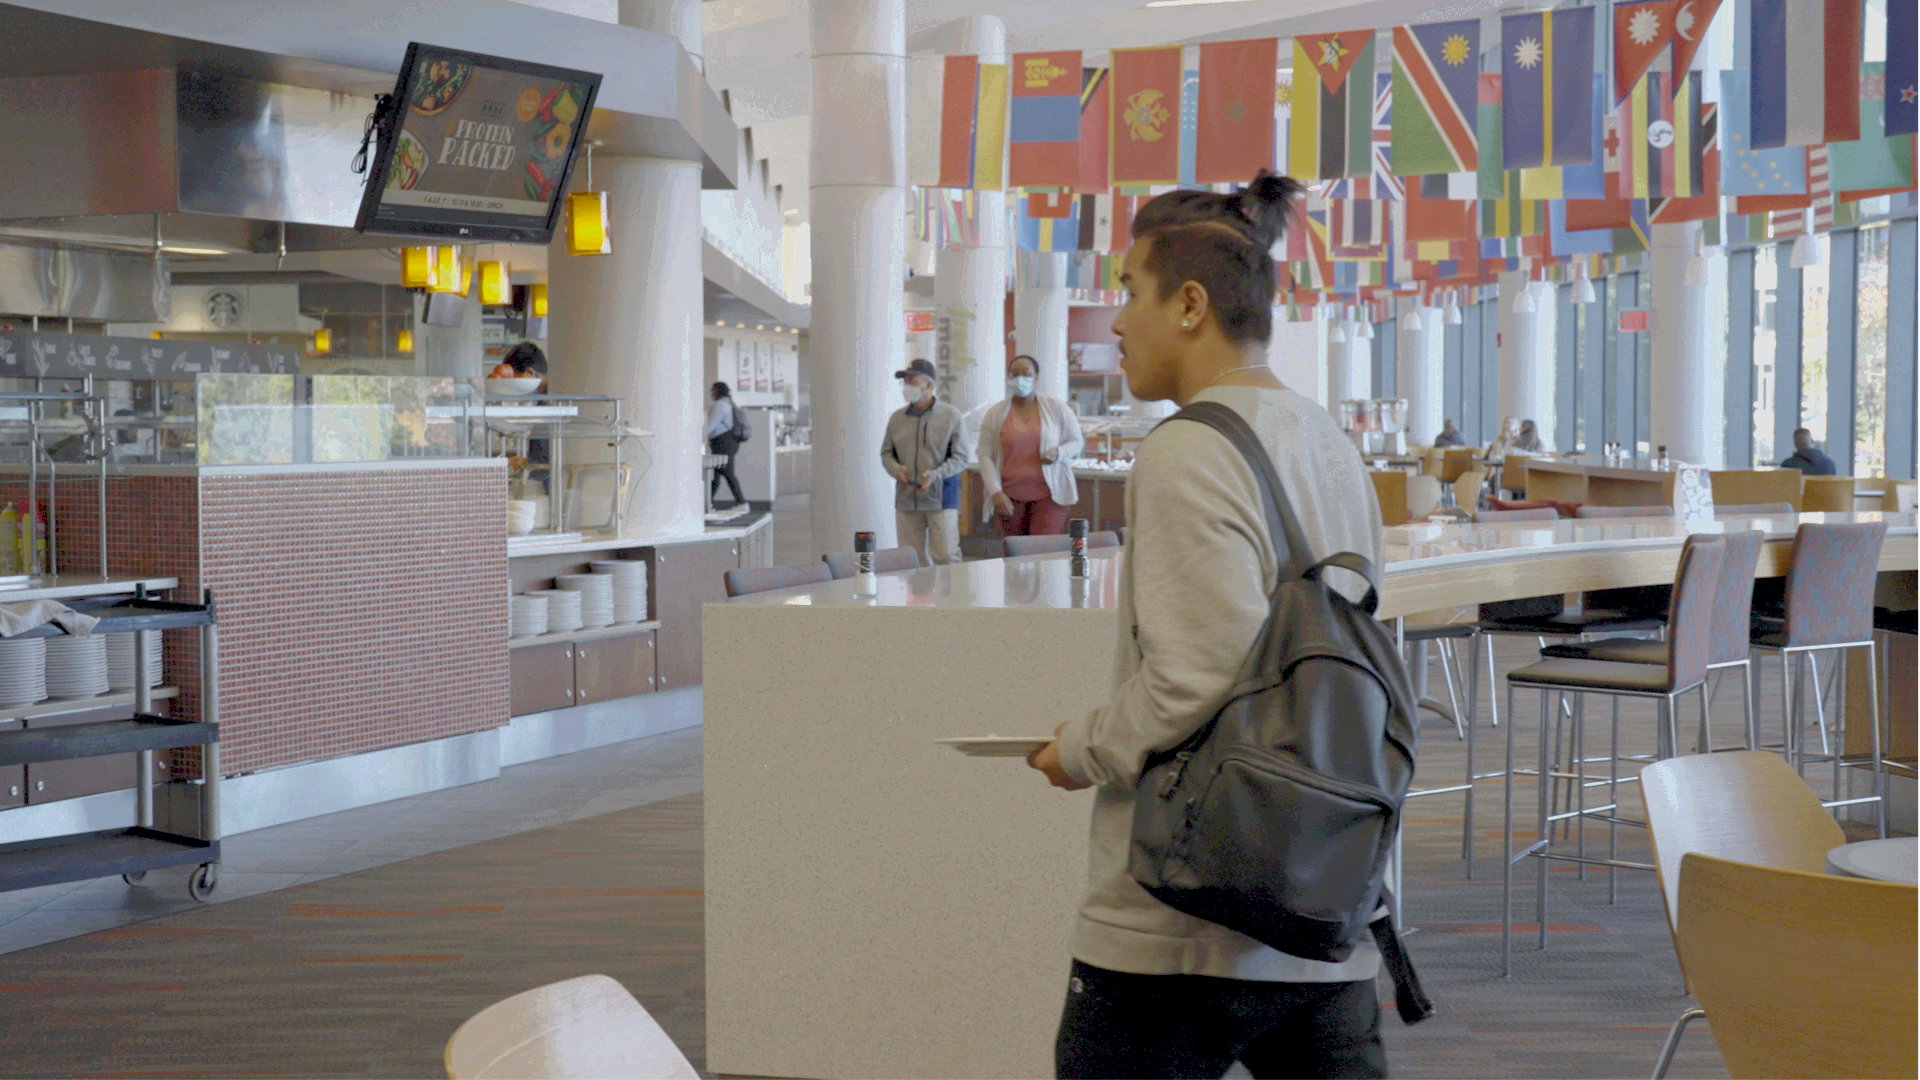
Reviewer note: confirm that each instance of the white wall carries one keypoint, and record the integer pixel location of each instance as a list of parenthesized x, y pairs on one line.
[(1298, 353)]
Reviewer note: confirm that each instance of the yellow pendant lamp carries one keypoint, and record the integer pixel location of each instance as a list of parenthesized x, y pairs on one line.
[(537, 301), (404, 341), (495, 288), (587, 232), (417, 268), (446, 269), (322, 341), (466, 276)]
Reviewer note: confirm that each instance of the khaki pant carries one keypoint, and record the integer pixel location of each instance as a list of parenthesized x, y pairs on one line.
[(935, 532)]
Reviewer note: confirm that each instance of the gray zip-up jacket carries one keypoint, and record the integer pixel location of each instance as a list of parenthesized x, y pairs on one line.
[(929, 441)]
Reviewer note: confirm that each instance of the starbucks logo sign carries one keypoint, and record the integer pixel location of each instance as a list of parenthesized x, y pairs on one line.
[(225, 309)]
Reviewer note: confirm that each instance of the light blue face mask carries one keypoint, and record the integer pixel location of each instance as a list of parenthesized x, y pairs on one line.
[(1021, 385)]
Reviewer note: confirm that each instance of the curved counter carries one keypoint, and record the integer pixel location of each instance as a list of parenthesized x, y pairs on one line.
[(881, 905)]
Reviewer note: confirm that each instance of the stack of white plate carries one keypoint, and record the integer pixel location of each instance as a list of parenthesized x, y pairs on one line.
[(120, 660), (529, 615), (23, 671), (596, 597), (76, 666), (629, 588), (563, 609)]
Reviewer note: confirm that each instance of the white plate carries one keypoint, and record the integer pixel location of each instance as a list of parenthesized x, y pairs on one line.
[(996, 745)]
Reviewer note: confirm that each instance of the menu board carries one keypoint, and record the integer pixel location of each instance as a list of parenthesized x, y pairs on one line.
[(480, 148), (762, 366), (27, 354)]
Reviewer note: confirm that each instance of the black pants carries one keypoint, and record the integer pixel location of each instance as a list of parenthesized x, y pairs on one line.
[(1122, 1025), (724, 444)]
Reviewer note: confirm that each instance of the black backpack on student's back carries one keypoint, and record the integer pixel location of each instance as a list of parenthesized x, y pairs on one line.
[(1277, 817), (742, 427)]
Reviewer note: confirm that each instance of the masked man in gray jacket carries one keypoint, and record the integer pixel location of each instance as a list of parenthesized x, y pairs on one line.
[(925, 452)]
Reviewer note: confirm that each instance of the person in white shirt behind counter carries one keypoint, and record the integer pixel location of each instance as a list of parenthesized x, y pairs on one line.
[(1027, 446)]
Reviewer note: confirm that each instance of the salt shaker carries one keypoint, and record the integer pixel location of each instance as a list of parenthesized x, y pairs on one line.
[(865, 583)]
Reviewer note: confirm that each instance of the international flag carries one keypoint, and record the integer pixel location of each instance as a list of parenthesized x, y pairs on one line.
[(1443, 220), (1124, 208), (990, 129), (1050, 205), (1546, 70), (1491, 175), (1510, 215), (1583, 214), (1381, 181), (1359, 230), (1044, 137), (1807, 56), (1875, 161), (1691, 21), (1903, 97), (943, 97), (1435, 82), (1590, 181), (1642, 31), (1703, 202), (1146, 124), (1096, 129), (1744, 169), (1331, 131), (1661, 142), (1234, 134), (1189, 111), (1567, 240), (1056, 234)]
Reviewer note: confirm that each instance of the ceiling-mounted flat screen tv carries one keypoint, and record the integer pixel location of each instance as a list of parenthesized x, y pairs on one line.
[(475, 147)]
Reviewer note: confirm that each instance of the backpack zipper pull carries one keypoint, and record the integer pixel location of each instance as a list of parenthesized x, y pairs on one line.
[(1179, 769)]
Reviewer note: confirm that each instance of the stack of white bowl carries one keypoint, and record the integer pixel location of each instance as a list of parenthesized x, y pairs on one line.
[(629, 588), (76, 666), (563, 609), (120, 660), (23, 671), (529, 614), (596, 597), (521, 515)]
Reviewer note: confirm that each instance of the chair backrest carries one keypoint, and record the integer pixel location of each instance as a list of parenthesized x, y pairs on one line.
[(1585, 511), (1022, 546), (579, 1028), (1754, 509), (1826, 494), (1513, 472), (1390, 491), (1434, 462), (760, 579), (1458, 461), (1802, 974), (1467, 487), (1747, 805), (1423, 496), (1690, 619), (1900, 496), (1737, 486), (1733, 604), (1829, 594), (1538, 513), (841, 563)]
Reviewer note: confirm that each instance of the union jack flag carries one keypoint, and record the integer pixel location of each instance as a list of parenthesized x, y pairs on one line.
[(1382, 184)]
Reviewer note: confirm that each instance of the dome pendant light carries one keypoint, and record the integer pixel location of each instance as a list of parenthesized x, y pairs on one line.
[(1806, 249), (1523, 303), (1452, 317)]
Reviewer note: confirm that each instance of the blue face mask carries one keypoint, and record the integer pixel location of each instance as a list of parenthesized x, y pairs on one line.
[(1021, 385)]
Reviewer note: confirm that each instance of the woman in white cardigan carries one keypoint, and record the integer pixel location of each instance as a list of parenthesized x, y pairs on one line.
[(1027, 447)]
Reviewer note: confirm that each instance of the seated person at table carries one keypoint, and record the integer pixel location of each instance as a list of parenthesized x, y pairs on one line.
[(1449, 435), (1807, 457), (1528, 441)]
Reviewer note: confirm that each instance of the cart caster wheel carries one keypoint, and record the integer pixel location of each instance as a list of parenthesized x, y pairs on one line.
[(203, 881), (134, 878)]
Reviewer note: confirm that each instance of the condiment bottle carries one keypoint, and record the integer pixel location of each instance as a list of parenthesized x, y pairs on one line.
[(10, 551), (1077, 546), (865, 581)]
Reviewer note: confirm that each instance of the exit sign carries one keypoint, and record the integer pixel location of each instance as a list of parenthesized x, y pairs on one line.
[(1636, 322), (919, 322)]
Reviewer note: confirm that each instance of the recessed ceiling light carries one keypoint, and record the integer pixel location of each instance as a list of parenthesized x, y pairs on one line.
[(793, 213)]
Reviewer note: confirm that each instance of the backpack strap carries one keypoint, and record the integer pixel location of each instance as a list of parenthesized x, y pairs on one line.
[(1408, 996)]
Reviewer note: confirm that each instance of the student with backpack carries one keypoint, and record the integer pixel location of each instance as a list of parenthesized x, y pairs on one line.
[(1250, 675), (726, 430)]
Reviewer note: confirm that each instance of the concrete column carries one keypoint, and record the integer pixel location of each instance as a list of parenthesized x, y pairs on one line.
[(679, 19), (1040, 323), (858, 198), (1526, 356), (970, 285), (1349, 364), (1689, 350), (1421, 361), (629, 325), (1297, 352)]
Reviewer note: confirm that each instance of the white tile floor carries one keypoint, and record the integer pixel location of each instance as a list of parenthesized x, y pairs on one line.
[(522, 798)]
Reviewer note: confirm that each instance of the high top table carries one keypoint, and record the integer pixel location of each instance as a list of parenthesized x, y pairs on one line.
[(879, 905)]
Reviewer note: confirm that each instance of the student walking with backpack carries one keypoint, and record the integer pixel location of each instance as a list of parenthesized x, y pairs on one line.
[(726, 430), (1250, 673)]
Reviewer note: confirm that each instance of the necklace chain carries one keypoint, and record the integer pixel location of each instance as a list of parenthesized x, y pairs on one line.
[(1229, 371)]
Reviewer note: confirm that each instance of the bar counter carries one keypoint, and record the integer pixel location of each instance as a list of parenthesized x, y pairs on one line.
[(881, 905)]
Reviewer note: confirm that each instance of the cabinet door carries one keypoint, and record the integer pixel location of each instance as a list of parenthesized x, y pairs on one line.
[(13, 778), (613, 667), (51, 781), (542, 678), (688, 576)]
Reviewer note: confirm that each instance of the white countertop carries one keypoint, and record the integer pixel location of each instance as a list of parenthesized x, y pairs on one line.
[(596, 541), (1419, 547), (76, 586)]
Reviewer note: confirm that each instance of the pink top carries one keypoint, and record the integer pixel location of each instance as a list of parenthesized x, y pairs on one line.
[(1022, 476)]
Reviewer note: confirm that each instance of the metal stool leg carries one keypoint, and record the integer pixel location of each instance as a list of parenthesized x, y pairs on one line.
[(1580, 780), (1613, 796), (1678, 1029), (1746, 696), (1473, 779), (1786, 695), (1879, 748), (1506, 852), (1453, 693), (1545, 837)]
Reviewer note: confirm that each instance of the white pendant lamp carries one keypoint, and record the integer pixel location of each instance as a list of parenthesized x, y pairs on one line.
[(1806, 248), (1523, 303), (1451, 317), (1583, 286)]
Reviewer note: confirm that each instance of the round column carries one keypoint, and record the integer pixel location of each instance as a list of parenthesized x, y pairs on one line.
[(970, 284), (1349, 365), (1040, 323), (1689, 349), (628, 325), (1526, 356), (1421, 359), (858, 209), (679, 19)]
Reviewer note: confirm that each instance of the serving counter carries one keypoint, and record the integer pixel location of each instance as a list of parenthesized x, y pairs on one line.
[(881, 905)]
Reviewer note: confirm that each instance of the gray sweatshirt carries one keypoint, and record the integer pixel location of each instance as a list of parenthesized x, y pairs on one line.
[(929, 441), (1193, 595)]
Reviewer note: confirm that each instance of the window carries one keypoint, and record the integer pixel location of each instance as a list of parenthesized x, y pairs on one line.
[(1766, 306), (1870, 355), (1814, 323)]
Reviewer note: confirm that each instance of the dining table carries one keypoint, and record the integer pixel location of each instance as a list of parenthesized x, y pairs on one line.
[(1896, 859)]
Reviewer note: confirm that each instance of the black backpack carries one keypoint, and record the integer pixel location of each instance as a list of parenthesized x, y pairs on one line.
[(742, 427), (1277, 817)]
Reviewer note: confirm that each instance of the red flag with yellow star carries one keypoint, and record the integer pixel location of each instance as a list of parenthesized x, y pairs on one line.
[(1234, 139)]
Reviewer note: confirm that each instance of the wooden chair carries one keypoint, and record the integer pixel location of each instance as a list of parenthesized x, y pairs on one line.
[(1466, 489), (1899, 496), (1390, 488), (1747, 805), (587, 1027), (1826, 494), (1804, 974), (1743, 486), (1434, 463), (1513, 474), (1423, 496), (1459, 460)]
